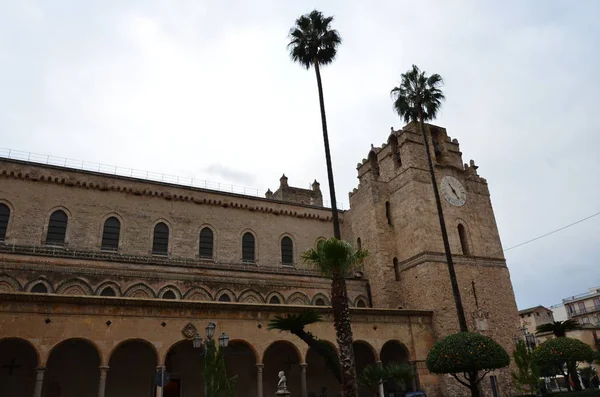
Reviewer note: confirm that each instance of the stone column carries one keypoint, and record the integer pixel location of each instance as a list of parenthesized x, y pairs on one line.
[(303, 389), (381, 391), (102, 385), (39, 381), (259, 379), (159, 369)]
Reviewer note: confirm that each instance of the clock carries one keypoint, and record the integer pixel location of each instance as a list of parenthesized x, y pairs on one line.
[(453, 191)]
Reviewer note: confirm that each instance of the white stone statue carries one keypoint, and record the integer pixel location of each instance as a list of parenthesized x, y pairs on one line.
[(281, 385)]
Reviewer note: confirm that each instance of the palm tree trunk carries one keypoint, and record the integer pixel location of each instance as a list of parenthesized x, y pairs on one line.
[(334, 212), (455, 290), (343, 331)]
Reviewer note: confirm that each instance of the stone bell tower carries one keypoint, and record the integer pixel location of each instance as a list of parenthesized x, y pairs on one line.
[(394, 216)]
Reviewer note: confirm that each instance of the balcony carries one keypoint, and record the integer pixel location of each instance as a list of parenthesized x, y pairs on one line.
[(581, 311)]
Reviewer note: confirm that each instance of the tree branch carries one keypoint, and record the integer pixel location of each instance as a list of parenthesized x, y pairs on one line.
[(460, 380), (483, 376)]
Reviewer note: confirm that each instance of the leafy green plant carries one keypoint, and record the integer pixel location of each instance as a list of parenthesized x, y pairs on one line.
[(467, 353), (560, 352), (558, 328), (218, 384), (527, 375), (373, 375)]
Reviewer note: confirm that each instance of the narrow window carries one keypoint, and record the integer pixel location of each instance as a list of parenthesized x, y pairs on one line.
[(287, 251), (361, 303), (4, 215), (206, 243), (396, 269), (388, 213), (319, 302), (248, 247), (374, 164), (40, 288), (169, 295), (224, 298), (57, 228), (110, 234), (108, 291), (274, 300), (464, 244), (160, 245), (358, 243), (393, 141)]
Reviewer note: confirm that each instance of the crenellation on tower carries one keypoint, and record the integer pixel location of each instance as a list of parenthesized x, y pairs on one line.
[(287, 193)]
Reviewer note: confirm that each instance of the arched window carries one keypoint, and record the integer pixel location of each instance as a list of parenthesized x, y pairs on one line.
[(224, 298), (160, 244), (248, 247), (287, 251), (319, 302), (361, 303), (57, 228), (393, 141), (358, 243), (388, 213), (108, 291), (169, 295), (464, 243), (4, 216), (206, 243), (110, 234), (396, 269), (374, 164), (39, 288), (274, 300)]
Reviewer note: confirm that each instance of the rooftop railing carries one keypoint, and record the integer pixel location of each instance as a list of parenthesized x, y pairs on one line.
[(582, 296)]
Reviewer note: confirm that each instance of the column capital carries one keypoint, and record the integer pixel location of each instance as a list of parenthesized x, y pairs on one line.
[(160, 367), (260, 367), (104, 368), (303, 366), (41, 368)]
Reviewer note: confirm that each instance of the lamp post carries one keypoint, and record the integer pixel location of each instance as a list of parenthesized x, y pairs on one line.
[(197, 343)]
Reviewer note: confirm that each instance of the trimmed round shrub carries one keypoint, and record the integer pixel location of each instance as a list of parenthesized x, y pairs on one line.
[(557, 351), (466, 352)]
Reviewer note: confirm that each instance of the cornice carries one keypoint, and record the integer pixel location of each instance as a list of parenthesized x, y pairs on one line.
[(429, 256)]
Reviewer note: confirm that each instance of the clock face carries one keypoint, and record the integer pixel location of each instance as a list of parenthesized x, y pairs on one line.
[(453, 191)]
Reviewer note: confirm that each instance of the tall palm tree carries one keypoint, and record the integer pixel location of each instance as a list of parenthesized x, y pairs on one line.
[(558, 328), (336, 259), (419, 98), (295, 324), (314, 43)]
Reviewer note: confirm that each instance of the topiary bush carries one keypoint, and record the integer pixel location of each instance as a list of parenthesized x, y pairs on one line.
[(467, 353)]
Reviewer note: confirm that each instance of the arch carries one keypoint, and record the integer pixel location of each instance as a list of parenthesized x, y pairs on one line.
[(9, 284), (225, 292), (275, 294), (140, 290), (74, 358), (207, 242), (139, 340), (109, 284), (395, 152), (324, 300), (29, 344), (43, 281), (396, 269), (160, 238), (274, 300), (394, 351), (248, 247), (75, 286), (56, 233), (319, 239), (250, 296), (464, 241), (5, 211), (358, 243), (240, 360), (72, 340), (18, 360), (318, 373), (286, 343), (388, 213), (175, 293), (111, 233), (361, 301), (374, 163), (287, 250), (131, 368), (198, 294), (281, 355), (298, 298), (248, 345)]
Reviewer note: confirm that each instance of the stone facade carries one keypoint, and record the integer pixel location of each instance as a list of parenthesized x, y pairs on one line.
[(56, 296)]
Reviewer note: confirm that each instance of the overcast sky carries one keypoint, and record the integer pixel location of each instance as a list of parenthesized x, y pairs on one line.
[(206, 89)]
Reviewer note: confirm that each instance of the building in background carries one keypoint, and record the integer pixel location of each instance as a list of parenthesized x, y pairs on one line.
[(559, 312), (585, 307), (533, 317)]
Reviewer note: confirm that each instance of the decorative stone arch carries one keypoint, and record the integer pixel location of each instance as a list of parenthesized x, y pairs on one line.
[(140, 290), (251, 296), (11, 216), (359, 299), (294, 248), (394, 149), (144, 341), (74, 286), (101, 228), (58, 344), (398, 346), (47, 222), (167, 288), (325, 298), (467, 237), (292, 345), (256, 245), (169, 242), (319, 239), (9, 284), (298, 298), (215, 240), (109, 284), (374, 163), (35, 348), (368, 346), (38, 280), (198, 294), (275, 294), (249, 345), (225, 291)]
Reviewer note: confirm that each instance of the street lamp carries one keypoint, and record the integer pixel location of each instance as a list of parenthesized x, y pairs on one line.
[(197, 343), (210, 330), (223, 340)]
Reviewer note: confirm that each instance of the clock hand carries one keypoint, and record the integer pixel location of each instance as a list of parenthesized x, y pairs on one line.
[(453, 191)]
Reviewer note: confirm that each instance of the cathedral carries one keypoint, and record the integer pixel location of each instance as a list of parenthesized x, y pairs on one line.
[(107, 282)]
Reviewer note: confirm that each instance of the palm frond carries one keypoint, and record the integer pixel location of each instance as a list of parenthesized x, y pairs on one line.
[(334, 256), (312, 39), (401, 373), (371, 376), (558, 328), (418, 92), (294, 322)]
